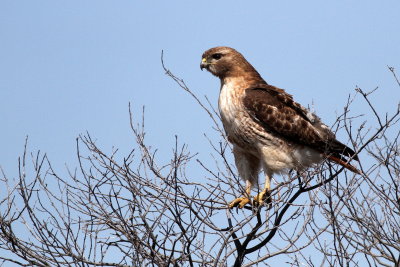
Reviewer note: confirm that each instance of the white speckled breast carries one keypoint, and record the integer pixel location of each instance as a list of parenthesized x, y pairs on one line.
[(228, 107)]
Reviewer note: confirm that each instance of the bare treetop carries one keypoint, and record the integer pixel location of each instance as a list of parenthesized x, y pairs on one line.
[(139, 210)]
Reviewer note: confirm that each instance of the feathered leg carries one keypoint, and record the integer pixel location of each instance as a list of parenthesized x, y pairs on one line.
[(248, 167)]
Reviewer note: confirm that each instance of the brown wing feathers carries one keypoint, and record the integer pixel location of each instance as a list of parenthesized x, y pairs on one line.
[(275, 116), (277, 112)]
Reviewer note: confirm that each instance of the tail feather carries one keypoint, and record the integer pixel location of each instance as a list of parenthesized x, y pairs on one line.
[(344, 164)]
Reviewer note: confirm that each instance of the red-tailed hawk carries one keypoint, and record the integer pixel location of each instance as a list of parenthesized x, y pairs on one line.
[(266, 126)]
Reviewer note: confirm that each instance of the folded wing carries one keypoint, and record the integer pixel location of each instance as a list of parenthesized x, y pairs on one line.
[(277, 112)]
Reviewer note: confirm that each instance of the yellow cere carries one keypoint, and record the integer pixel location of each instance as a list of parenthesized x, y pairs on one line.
[(204, 60)]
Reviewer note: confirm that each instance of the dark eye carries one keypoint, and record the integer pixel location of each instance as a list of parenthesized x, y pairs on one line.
[(217, 56)]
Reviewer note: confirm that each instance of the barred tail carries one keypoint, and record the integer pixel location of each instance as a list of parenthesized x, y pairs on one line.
[(344, 164)]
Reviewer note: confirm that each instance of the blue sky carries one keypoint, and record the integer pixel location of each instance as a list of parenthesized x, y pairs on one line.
[(67, 67), (71, 66)]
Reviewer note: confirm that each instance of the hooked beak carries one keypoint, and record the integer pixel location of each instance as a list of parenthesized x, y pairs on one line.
[(204, 63)]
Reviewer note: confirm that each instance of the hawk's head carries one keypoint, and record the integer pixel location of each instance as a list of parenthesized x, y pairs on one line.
[(224, 61)]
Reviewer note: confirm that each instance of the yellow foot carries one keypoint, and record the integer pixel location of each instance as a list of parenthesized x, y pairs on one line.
[(240, 202), (263, 196)]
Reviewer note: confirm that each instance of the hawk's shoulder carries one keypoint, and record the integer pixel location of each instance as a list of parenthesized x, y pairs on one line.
[(266, 98)]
